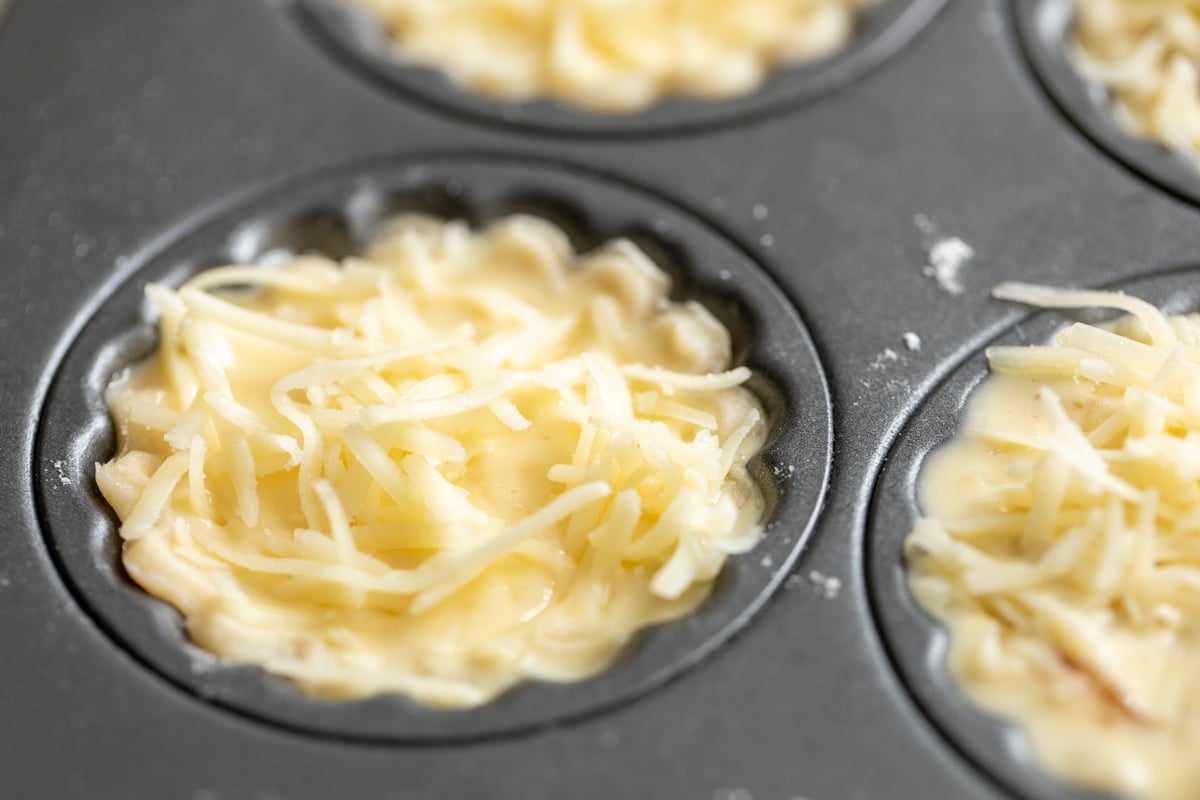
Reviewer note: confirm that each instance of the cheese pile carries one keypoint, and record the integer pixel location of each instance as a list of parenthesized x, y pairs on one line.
[(460, 461), (614, 55), (1145, 52), (1062, 544)]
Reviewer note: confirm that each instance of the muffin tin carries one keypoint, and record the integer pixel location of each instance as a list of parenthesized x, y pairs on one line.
[(147, 141)]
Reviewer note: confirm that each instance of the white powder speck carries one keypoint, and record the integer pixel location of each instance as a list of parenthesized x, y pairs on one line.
[(827, 585), (946, 260), (887, 355), (725, 275), (61, 468), (912, 341), (767, 240), (760, 212), (767, 562)]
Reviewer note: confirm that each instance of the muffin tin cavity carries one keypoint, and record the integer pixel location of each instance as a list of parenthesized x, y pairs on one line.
[(916, 641), (335, 213), (358, 40), (1044, 27)]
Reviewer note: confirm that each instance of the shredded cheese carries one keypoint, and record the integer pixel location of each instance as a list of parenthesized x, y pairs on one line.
[(614, 55), (1062, 544), (437, 468), (1145, 53)]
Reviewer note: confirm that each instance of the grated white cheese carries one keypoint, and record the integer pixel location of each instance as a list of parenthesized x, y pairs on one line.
[(615, 56), (457, 462), (1062, 544), (1144, 53)]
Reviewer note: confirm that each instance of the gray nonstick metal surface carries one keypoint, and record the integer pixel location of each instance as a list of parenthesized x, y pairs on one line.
[(137, 137)]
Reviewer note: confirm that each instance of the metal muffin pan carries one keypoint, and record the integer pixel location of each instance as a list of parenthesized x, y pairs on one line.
[(147, 140), (335, 213), (356, 38)]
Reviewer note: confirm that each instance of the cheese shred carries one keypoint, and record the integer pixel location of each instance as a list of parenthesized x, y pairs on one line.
[(1061, 544), (431, 469), (614, 55), (1145, 53)]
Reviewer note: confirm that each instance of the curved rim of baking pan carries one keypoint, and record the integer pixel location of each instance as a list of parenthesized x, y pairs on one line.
[(333, 211), (1044, 27), (916, 641)]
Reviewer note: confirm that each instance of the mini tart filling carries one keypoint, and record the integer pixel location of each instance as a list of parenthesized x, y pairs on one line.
[(459, 461)]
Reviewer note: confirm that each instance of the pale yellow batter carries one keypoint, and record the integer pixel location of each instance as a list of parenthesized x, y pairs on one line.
[(458, 462), (1145, 52), (614, 55), (1061, 545)]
